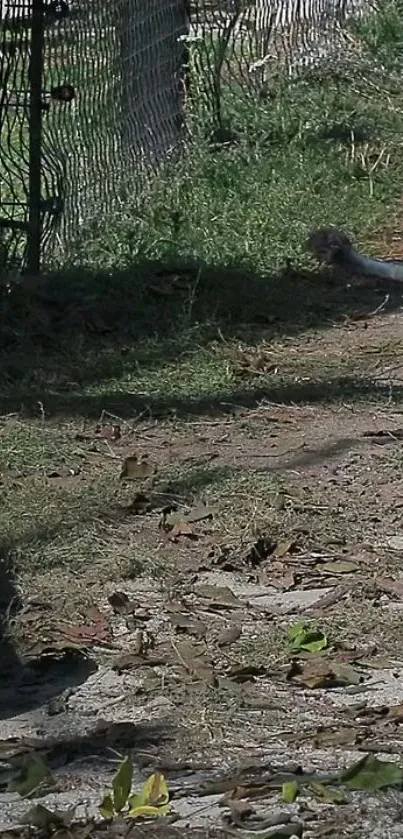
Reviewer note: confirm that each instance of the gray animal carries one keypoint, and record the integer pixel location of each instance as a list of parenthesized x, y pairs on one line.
[(334, 247)]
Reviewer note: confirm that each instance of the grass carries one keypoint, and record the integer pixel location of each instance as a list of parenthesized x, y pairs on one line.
[(201, 328), (150, 317)]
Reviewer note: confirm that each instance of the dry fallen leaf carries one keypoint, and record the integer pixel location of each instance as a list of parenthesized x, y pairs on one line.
[(245, 672), (95, 633), (343, 736), (339, 566), (189, 624), (108, 432), (322, 673), (195, 661), (182, 528), (284, 547), (136, 467), (131, 661), (229, 636), (390, 586), (219, 597), (181, 524), (49, 820), (200, 513), (395, 713)]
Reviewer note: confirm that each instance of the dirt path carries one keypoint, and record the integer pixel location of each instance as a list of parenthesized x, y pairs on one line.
[(179, 655)]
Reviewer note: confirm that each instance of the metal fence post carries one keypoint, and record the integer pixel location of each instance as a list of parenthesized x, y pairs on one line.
[(35, 138)]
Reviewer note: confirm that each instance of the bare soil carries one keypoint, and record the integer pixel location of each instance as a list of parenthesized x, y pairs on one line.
[(156, 625)]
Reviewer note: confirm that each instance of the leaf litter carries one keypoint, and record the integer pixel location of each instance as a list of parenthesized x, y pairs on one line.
[(212, 617)]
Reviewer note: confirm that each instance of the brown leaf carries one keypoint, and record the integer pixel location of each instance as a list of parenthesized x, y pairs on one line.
[(195, 662), (390, 586), (182, 528), (339, 566), (284, 547), (95, 633), (46, 820), (285, 582), (256, 361), (238, 807), (136, 467), (229, 636), (245, 672), (189, 624), (377, 662), (108, 432), (322, 673), (395, 713), (200, 514), (219, 597), (131, 661), (330, 737)]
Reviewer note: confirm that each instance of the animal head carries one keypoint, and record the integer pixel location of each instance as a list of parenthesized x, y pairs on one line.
[(328, 244)]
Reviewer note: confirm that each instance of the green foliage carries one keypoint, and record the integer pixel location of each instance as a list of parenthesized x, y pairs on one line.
[(302, 637), (382, 34), (290, 791), (151, 802), (301, 158), (369, 773), (30, 777)]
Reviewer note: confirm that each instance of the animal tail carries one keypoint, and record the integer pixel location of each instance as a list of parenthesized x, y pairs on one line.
[(335, 248)]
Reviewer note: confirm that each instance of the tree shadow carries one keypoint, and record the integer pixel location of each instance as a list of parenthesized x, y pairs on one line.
[(24, 686), (77, 329), (9, 602), (129, 405)]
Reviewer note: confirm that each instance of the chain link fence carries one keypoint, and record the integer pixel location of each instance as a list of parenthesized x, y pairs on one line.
[(95, 94)]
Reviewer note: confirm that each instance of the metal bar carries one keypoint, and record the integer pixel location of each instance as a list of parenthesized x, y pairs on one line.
[(35, 138)]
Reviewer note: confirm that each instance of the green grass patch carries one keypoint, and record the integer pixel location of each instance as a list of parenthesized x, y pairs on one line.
[(146, 315)]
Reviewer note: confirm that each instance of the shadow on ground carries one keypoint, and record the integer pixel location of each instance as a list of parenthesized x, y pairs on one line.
[(27, 686), (349, 389), (78, 330)]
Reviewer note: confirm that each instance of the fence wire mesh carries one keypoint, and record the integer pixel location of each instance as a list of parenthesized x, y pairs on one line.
[(118, 81), (14, 146)]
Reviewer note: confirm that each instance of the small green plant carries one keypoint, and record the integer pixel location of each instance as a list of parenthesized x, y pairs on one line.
[(304, 638), (151, 802)]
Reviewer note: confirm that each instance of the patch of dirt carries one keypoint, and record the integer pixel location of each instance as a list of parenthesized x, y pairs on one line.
[(158, 625)]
